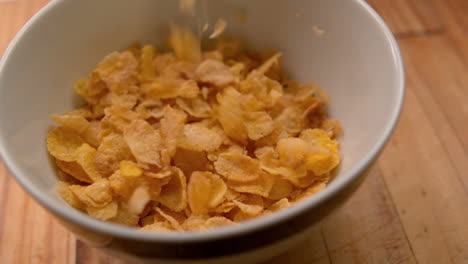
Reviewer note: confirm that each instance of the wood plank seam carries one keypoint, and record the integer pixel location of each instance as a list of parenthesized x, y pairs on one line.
[(415, 34), (439, 219), (377, 167), (330, 260), (452, 162), (4, 197), (79, 251), (356, 241), (420, 16), (459, 174)]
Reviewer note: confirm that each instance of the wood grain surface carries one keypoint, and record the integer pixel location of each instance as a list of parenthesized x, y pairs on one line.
[(411, 209)]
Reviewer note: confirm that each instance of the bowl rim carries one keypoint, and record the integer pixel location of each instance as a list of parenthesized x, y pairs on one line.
[(114, 230)]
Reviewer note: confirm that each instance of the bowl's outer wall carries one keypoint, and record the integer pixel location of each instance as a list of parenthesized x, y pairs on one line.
[(218, 248), (357, 63)]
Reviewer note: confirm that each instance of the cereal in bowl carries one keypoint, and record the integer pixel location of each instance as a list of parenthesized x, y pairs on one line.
[(188, 140)]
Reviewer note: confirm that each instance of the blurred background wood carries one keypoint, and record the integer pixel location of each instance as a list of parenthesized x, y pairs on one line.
[(411, 208)]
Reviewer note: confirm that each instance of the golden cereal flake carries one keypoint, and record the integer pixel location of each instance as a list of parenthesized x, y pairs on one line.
[(280, 205), (90, 89), (68, 195), (172, 128), (214, 72), (281, 189), (237, 167), (168, 88), (144, 142), (318, 31), (158, 227), (196, 107), (86, 157), (184, 43), (205, 27), (123, 103), (251, 209), (62, 143), (218, 221), (195, 222), (169, 218), (73, 169), (119, 71), (230, 113), (187, 6), (205, 191), (106, 212), (292, 151), (197, 137), (128, 168), (332, 127), (147, 68), (259, 186), (174, 194), (219, 28), (92, 134), (326, 160), (84, 111), (125, 217), (76, 123), (225, 207), (163, 174), (150, 108), (258, 124), (110, 152), (297, 175), (97, 194), (122, 185), (311, 190)]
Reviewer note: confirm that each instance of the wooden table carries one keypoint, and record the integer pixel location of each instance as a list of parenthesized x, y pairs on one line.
[(413, 207)]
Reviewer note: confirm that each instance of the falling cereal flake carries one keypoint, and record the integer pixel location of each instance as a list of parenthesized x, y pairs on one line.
[(318, 31), (219, 28), (187, 6), (205, 27)]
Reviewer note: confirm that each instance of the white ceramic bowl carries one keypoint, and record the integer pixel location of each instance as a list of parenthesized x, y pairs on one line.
[(357, 62)]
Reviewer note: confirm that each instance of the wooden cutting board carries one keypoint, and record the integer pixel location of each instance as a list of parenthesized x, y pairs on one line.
[(411, 209)]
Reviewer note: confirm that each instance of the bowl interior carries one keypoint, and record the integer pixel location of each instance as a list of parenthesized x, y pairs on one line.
[(354, 62)]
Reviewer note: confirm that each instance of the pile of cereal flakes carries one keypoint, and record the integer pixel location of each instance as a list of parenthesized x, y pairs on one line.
[(190, 140)]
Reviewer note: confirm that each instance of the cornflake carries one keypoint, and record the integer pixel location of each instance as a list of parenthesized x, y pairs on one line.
[(198, 137), (73, 169), (144, 142), (172, 128), (214, 72), (62, 143), (76, 123), (187, 6), (205, 191), (189, 140), (174, 194), (110, 152), (237, 167), (219, 28)]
